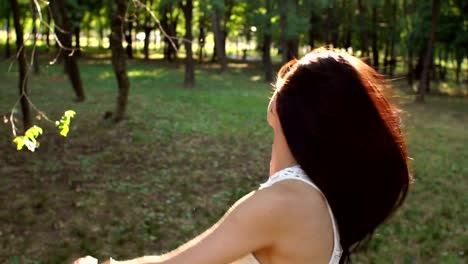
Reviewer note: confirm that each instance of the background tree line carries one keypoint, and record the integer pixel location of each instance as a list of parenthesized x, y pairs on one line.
[(418, 40)]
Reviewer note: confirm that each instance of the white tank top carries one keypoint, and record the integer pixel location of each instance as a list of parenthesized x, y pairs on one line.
[(296, 173)]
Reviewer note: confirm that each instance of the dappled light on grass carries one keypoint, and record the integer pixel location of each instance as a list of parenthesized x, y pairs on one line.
[(256, 78), (453, 89)]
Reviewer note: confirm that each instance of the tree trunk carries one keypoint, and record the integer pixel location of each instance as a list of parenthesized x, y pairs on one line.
[(424, 82), (76, 32), (333, 24), (128, 39), (220, 50), (459, 57), (267, 39), (64, 35), (47, 30), (169, 24), (393, 35), (117, 10), (101, 33), (312, 30), (410, 74), (364, 32), (7, 44), (284, 32), (189, 79), (147, 38), (23, 82), (386, 54), (88, 31), (35, 57), (375, 48), (267, 64), (201, 43), (214, 56)]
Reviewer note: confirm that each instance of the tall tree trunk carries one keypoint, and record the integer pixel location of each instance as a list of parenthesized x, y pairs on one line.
[(424, 82), (129, 40), (267, 64), (77, 33), (7, 44), (101, 33), (201, 42), (363, 29), (35, 57), (63, 33), (375, 48), (218, 35), (146, 42), (410, 74), (214, 55), (289, 44), (23, 82), (47, 30), (189, 79), (284, 33), (393, 35), (117, 11), (459, 56), (312, 34), (88, 31), (267, 39), (386, 54)]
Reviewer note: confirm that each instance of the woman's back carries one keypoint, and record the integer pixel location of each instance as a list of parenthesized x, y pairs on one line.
[(309, 234)]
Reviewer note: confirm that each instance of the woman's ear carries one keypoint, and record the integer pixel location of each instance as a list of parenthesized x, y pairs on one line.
[(272, 115)]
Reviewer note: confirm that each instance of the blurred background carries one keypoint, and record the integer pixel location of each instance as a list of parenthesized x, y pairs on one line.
[(170, 128)]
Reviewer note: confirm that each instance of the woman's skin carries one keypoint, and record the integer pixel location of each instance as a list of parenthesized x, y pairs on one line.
[(285, 223)]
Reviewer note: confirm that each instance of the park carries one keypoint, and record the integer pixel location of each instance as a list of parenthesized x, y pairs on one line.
[(170, 126)]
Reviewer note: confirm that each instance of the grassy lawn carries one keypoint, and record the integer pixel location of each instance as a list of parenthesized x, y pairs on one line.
[(179, 160)]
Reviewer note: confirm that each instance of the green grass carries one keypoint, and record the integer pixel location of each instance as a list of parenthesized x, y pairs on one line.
[(182, 157)]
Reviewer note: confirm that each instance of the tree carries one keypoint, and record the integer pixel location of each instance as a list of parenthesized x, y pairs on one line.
[(169, 20), (374, 36), (218, 35), (424, 81), (267, 41), (63, 32), (22, 64), (187, 8), (147, 27), (35, 57), (203, 25), (364, 34), (6, 11), (117, 12), (292, 25)]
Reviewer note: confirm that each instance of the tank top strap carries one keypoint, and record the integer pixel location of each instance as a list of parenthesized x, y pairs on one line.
[(297, 173)]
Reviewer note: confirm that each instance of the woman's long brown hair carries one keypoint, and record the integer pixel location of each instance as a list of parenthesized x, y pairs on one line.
[(346, 136)]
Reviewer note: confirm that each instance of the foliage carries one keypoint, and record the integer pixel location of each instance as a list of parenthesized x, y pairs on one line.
[(64, 123), (29, 139), (30, 136)]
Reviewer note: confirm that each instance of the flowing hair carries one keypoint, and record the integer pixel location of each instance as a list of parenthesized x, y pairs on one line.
[(346, 136)]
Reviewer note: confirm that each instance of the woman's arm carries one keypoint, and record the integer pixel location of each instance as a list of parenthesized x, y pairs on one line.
[(252, 223)]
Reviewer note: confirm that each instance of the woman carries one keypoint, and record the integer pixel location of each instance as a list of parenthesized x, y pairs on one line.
[(338, 170)]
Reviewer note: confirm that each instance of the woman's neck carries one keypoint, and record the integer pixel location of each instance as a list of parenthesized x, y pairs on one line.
[(281, 156)]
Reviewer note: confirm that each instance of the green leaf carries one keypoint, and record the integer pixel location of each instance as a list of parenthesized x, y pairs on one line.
[(69, 113), (19, 142), (64, 124), (64, 131), (29, 139)]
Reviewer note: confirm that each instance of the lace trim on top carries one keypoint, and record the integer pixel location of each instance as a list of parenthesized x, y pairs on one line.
[(296, 173)]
